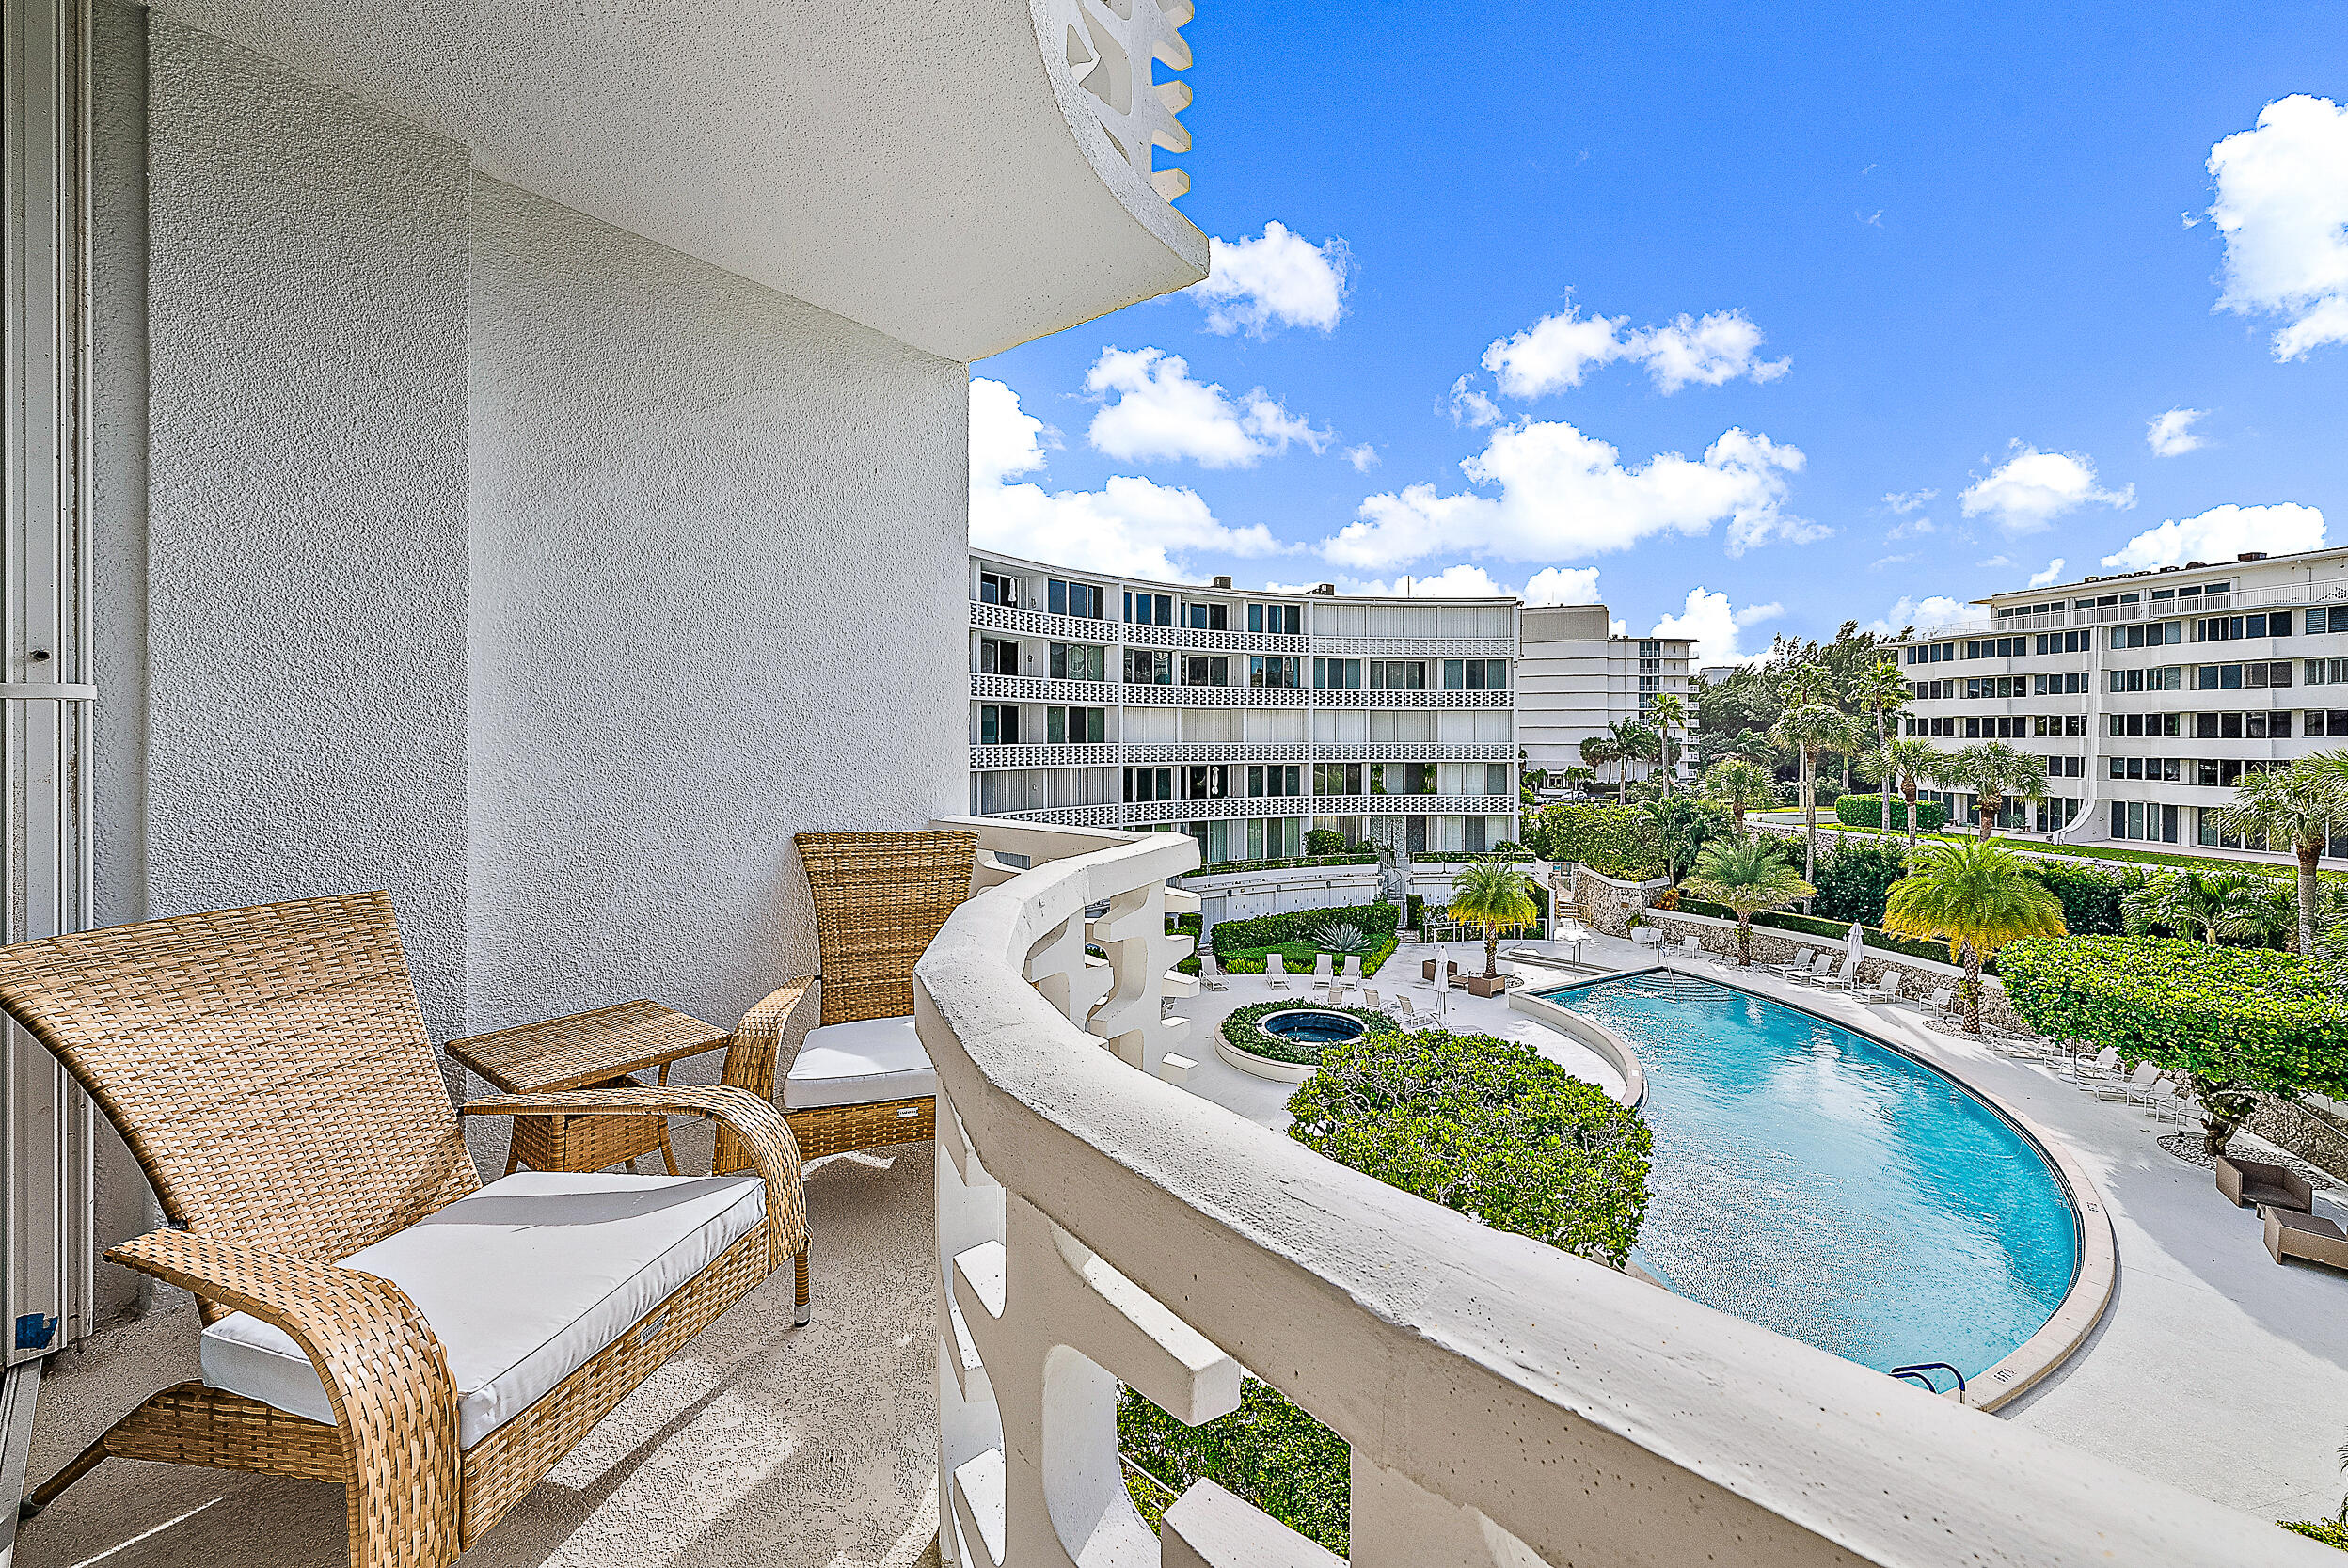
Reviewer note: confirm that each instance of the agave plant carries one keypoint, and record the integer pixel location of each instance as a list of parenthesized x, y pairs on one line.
[(1341, 937)]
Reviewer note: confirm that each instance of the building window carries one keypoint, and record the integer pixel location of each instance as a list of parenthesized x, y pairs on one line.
[(1495, 778), (1337, 778), (2128, 725), (1475, 675), (1275, 672), (1206, 670), (997, 657), (1079, 600), (1149, 610), (1337, 675), (1275, 778), (998, 726), (1149, 667), (1398, 674), (1149, 783), (1076, 661), (2142, 819), (1206, 617), (1207, 783), (995, 588), (1276, 620), (1076, 726)]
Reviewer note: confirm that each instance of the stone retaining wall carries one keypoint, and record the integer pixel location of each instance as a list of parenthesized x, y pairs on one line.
[(2312, 1136), (1605, 903), (1773, 944)]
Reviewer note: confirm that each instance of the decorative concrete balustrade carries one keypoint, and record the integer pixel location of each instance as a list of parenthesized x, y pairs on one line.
[(1507, 1404)]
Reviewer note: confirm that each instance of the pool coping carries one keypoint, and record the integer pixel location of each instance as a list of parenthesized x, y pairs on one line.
[(1590, 1034), (2095, 1268)]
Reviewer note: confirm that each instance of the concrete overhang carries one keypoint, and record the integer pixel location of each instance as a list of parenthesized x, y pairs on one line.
[(961, 177)]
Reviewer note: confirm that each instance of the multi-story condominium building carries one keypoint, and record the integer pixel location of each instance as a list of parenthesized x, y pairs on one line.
[(1575, 678), (1243, 717), (2150, 694)]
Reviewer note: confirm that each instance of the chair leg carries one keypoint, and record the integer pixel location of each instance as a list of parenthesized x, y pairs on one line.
[(50, 1490), (799, 1309)]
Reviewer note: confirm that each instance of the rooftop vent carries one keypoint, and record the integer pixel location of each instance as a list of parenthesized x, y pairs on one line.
[(1222, 582), (1326, 589), (2251, 555)]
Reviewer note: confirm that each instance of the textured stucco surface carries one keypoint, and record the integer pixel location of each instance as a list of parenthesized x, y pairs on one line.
[(306, 509), (717, 600)]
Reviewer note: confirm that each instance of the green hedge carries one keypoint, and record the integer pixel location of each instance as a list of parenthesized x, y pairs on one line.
[(1354, 857), (2091, 896), (1867, 811), (1298, 956), (1268, 1451), (1244, 1028), (1272, 930), (1840, 929), (1613, 841), (2247, 1015)]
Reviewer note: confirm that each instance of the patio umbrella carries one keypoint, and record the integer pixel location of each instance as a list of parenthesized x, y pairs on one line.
[(1854, 950)]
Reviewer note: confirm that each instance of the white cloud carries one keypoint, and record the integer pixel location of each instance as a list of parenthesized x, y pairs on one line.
[(1562, 585), (1708, 619), (1994, 561), (1554, 353), (2054, 570), (1470, 406), (1160, 411), (1934, 612), (2170, 435), (1558, 351), (2223, 533), (1463, 581), (1888, 560), (1904, 501), (2030, 489), (1363, 457), (1564, 494), (1908, 527), (1718, 349), (1617, 627), (2283, 204), (1278, 279), (1129, 524)]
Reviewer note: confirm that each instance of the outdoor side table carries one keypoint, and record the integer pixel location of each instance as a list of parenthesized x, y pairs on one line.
[(598, 1049)]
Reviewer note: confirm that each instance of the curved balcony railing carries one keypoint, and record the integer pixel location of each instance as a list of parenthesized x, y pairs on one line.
[(1506, 1403)]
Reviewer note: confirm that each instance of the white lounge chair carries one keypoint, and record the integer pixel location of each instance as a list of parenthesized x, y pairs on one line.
[(1840, 976), (1821, 970), (2104, 1064), (1370, 999), (1941, 1001), (1884, 990), (1352, 972), (1798, 964), (1211, 972), (1322, 973), (1275, 971), (1688, 949), (2126, 1090)]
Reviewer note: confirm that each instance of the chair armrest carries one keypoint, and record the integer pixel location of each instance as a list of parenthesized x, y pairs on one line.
[(757, 1127), (382, 1368), (754, 1056)]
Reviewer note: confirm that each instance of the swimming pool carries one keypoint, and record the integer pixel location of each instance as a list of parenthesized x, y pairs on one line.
[(1821, 1184)]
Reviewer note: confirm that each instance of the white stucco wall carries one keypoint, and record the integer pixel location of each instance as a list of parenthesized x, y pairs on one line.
[(306, 512), (717, 600)]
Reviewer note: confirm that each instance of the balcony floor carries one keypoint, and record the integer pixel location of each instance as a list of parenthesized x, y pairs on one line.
[(813, 1447)]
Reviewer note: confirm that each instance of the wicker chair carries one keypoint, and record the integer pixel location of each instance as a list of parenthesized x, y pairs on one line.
[(861, 1079), (270, 1071)]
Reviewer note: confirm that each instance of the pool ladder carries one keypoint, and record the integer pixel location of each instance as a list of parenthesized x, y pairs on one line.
[(1921, 1374), (1671, 987)]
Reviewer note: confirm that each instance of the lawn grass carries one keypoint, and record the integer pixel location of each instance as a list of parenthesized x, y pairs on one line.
[(2084, 851), (1297, 956)]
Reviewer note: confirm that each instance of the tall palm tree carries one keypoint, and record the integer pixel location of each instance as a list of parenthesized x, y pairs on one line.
[(1492, 894), (1995, 773), (1598, 750), (1976, 897), (1884, 691), (2295, 805), (1630, 739), (1666, 712), (1747, 876), (1810, 729), (1741, 784), (1911, 759)]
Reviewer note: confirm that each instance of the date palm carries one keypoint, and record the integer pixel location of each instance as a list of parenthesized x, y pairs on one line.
[(1493, 894), (2200, 902), (1995, 773), (1976, 896), (1882, 691), (1598, 750), (1632, 741), (1810, 729), (2296, 805), (1666, 712), (1911, 760), (1740, 785), (1747, 876)]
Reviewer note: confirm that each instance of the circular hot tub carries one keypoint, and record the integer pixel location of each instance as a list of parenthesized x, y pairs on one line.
[(1312, 1027), (1292, 1053)]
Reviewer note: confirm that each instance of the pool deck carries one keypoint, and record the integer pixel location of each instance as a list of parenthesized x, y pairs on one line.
[(2213, 1368)]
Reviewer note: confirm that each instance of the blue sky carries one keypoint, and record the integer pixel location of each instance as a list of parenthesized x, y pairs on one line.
[(1792, 263)]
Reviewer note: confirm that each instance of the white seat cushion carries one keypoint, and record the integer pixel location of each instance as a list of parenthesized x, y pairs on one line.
[(524, 1282), (861, 1063)]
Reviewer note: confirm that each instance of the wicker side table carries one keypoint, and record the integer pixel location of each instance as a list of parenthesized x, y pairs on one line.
[(597, 1050)]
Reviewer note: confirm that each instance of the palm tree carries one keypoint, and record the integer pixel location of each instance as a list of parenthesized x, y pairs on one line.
[(1995, 772), (1630, 740), (1911, 760), (2202, 902), (1666, 712), (2266, 913), (1976, 897), (1492, 894), (1884, 691), (1597, 752), (1810, 729), (1576, 778), (1740, 785), (2294, 805), (1747, 876)]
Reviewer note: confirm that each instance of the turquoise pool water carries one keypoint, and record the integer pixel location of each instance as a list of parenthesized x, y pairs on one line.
[(1816, 1182)]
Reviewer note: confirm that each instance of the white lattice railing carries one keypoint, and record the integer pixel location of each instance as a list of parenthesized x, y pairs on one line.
[(1415, 647), (1506, 1403), (1414, 805), (984, 758), (1036, 623), (1413, 698), (1215, 642), (1217, 696), (1108, 46)]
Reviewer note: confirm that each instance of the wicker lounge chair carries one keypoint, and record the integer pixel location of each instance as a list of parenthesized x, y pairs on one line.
[(861, 1079), (362, 1289), (2289, 1234), (2249, 1183)]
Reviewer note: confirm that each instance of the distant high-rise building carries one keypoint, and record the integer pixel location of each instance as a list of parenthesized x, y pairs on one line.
[(1575, 678)]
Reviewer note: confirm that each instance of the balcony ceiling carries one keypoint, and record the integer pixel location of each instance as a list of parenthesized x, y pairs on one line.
[(934, 171)]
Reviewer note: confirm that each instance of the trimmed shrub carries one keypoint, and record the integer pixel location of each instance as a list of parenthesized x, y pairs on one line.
[(1268, 1451), (2238, 1022), (1298, 956), (1244, 1028), (1324, 841), (1854, 879), (1613, 841), (1867, 811), (2092, 897), (1272, 930)]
